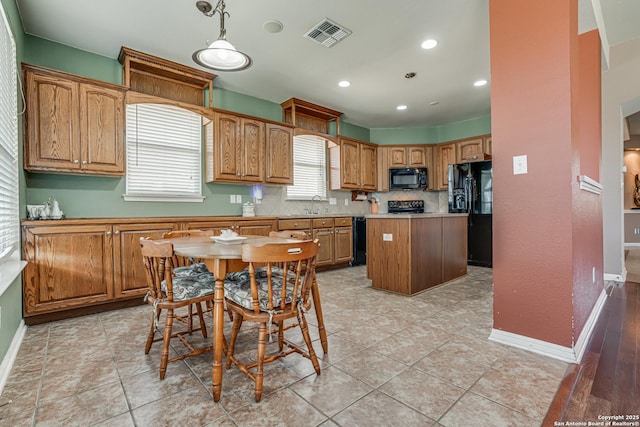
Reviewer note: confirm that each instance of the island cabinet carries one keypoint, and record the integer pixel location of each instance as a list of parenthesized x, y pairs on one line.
[(410, 253), (353, 165), (81, 266), (73, 125)]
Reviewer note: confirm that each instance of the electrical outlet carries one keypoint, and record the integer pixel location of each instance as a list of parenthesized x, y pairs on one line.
[(346, 202), (333, 201), (232, 198)]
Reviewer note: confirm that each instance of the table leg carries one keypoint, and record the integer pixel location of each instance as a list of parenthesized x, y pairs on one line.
[(315, 294), (219, 272)]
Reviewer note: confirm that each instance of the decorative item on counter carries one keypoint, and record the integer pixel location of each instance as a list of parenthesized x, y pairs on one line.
[(374, 205), (248, 209), (48, 210)]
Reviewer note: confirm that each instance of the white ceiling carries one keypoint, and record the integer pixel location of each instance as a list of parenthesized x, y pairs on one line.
[(384, 46)]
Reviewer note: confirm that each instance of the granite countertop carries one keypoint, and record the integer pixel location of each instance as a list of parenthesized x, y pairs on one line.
[(413, 215)]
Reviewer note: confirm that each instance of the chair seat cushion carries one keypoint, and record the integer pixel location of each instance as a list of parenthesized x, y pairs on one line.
[(237, 288), (191, 281)]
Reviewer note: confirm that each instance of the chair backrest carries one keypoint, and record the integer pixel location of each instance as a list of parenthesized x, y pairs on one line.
[(158, 263), (289, 234), (186, 233), (296, 280)]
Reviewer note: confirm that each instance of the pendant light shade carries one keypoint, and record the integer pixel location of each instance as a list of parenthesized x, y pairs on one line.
[(220, 55)]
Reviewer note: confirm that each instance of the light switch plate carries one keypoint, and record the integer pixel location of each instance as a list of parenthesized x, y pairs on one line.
[(232, 198), (519, 165), (346, 202), (238, 198)]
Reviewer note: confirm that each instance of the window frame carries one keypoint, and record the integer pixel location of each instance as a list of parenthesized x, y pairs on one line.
[(323, 167), (167, 196)]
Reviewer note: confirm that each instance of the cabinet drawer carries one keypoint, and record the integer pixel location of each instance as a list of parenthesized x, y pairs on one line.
[(343, 221), (294, 224), (322, 222)]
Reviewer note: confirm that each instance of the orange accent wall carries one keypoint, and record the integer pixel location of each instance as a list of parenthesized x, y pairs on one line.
[(535, 112)]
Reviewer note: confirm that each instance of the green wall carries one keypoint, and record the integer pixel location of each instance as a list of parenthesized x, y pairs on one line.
[(464, 129), (11, 299)]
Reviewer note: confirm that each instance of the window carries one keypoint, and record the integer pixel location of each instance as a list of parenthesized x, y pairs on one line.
[(309, 168), (163, 153), (9, 217)]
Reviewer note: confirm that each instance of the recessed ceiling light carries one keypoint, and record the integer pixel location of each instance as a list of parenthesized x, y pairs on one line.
[(480, 83), (434, 103), (272, 26), (344, 83), (401, 107), (429, 44)]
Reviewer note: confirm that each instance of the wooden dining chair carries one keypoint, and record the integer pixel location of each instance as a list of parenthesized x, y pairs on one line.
[(171, 289), (180, 262), (315, 292), (266, 294)]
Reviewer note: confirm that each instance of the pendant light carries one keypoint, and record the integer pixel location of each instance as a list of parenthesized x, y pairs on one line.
[(220, 55)]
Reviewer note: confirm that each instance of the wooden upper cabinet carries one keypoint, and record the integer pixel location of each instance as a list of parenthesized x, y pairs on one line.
[(306, 115), (416, 157), (471, 150), (238, 149), (279, 154), (354, 165), (72, 124), (397, 157), (431, 154), (446, 157), (383, 167)]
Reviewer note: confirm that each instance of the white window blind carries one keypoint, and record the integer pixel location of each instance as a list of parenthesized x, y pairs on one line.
[(9, 217), (163, 153), (309, 168)]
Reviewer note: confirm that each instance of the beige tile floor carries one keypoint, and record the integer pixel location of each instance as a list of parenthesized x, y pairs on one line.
[(393, 360)]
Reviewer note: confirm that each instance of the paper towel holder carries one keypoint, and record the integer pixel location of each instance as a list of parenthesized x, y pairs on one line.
[(359, 196)]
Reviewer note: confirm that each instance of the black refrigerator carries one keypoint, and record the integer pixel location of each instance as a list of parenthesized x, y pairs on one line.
[(471, 191)]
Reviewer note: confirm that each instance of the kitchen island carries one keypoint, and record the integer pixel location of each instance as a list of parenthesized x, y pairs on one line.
[(409, 253)]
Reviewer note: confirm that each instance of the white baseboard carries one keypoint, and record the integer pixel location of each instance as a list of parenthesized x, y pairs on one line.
[(555, 351), (12, 353)]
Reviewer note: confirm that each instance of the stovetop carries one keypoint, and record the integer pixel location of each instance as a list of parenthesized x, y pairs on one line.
[(405, 206)]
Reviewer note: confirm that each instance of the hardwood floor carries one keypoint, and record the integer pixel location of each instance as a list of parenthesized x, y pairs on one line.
[(607, 382)]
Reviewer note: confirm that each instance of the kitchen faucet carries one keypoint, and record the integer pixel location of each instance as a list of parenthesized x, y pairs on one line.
[(313, 201)]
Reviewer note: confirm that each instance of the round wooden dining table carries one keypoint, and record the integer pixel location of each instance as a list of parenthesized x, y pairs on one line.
[(220, 259)]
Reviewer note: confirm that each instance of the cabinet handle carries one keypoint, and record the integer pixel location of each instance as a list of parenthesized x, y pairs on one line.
[(84, 162), (295, 224), (76, 162), (116, 232), (108, 233)]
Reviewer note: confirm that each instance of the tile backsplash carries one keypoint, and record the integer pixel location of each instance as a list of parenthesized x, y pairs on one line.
[(274, 202)]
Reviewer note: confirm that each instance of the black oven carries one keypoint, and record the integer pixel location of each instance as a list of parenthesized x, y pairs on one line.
[(408, 178)]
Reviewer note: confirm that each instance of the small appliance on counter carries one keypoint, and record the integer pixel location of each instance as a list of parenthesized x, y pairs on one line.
[(405, 206), (248, 209)]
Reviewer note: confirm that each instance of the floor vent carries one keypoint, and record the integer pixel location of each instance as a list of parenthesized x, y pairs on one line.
[(327, 33)]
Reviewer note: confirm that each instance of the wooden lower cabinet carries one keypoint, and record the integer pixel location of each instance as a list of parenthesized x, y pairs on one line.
[(129, 273), (335, 235), (408, 255), (66, 267), (325, 252), (343, 244), (82, 266)]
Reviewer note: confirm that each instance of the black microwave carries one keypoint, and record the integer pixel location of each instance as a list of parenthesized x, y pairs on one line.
[(408, 178)]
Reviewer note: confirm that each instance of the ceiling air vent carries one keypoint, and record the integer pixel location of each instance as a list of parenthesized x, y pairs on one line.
[(327, 33)]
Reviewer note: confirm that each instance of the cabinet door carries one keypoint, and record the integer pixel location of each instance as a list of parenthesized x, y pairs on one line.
[(129, 273), (227, 145), (255, 227), (343, 238), (416, 157), (52, 141), (349, 164), (102, 129), (67, 267), (252, 146), (383, 168), (368, 167), (279, 152), (397, 157), (446, 157), (470, 150), (487, 145), (325, 252), (432, 169)]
